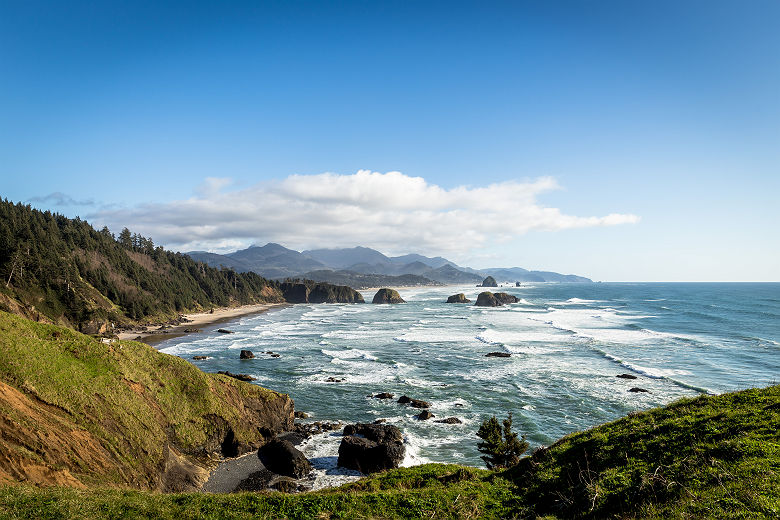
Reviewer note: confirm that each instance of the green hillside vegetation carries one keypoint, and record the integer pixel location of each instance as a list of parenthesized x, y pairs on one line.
[(65, 271), (708, 457), (80, 412)]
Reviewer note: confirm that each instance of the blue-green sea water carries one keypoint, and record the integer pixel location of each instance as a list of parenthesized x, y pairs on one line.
[(567, 344)]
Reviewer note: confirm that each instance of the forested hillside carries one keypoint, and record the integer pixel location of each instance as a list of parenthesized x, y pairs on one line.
[(63, 270)]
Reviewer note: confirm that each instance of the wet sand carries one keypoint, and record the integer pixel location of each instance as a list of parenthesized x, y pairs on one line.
[(198, 320)]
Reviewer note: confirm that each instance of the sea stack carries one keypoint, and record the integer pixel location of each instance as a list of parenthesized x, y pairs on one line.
[(387, 296), (458, 298), (489, 282)]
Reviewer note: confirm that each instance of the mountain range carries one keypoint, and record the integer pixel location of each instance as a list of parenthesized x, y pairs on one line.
[(362, 267)]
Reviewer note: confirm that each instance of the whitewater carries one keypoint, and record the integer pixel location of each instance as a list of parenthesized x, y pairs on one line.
[(568, 342)]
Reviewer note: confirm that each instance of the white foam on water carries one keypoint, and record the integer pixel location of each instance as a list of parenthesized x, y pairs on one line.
[(322, 450), (578, 301), (353, 353), (434, 335)]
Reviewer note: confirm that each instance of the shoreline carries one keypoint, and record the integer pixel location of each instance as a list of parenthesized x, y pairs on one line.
[(194, 322)]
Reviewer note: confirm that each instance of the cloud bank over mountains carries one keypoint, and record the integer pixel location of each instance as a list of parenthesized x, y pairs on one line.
[(388, 211)]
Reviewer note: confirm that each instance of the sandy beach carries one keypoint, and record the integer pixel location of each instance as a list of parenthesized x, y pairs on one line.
[(153, 334)]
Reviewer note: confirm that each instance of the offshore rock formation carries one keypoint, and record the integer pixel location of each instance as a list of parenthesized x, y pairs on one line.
[(458, 298), (505, 298), (387, 296), (489, 282), (488, 299)]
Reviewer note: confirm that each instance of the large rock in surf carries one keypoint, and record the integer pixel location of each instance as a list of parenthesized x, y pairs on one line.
[(380, 447), (415, 403), (246, 354), (489, 282), (387, 296), (487, 299), (505, 298), (281, 457), (458, 298)]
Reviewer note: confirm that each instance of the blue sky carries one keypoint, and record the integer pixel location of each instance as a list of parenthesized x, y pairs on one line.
[(530, 123)]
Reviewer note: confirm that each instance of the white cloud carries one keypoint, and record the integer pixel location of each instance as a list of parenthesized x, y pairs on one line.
[(390, 211)]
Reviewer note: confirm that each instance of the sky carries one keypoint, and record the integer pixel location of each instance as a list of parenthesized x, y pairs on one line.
[(619, 140)]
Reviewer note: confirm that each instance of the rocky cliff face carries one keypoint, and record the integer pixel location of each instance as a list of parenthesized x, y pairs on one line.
[(312, 292), (78, 412)]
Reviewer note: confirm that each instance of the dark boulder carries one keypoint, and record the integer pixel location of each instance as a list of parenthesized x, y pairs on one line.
[(487, 299), (384, 395), (224, 331), (246, 354), (498, 354), (489, 282), (300, 415), (505, 298), (626, 376), (198, 358), (458, 298), (281, 457), (380, 433), (416, 403), (380, 447), (424, 415), (637, 389), (387, 296), (449, 420)]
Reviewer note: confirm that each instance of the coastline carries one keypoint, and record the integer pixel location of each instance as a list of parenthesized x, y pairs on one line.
[(154, 334)]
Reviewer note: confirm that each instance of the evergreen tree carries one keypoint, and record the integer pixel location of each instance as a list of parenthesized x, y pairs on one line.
[(501, 447)]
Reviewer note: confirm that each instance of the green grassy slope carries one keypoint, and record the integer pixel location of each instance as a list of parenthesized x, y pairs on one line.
[(109, 414), (709, 457)]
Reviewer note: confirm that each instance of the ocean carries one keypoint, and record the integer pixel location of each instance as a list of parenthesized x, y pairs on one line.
[(568, 342)]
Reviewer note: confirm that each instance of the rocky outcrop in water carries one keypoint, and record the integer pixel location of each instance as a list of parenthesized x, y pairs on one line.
[(246, 354), (498, 354), (489, 282), (387, 296), (380, 447), (415, 403), (449, 420), (487, 299), (504, 298), (458, 298)]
